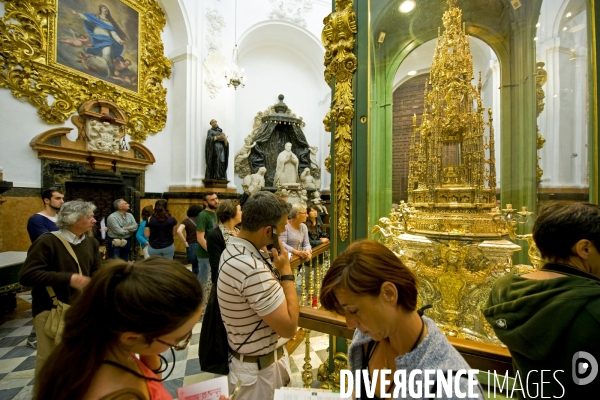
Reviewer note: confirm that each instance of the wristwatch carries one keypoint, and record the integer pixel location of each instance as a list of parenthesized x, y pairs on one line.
[(287, 278)]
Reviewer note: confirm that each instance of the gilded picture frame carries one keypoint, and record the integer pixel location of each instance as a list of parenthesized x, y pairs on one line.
[(57, 54)]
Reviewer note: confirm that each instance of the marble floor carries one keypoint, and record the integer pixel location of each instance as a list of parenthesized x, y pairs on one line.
[(17, 361)]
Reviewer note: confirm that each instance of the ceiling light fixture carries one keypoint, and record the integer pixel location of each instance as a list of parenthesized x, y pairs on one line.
[(234, 75), (411, 73), (407, 6)]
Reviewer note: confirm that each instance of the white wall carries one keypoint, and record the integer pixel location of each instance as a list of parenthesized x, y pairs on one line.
[(562, 45), (279, 55), (21, 123)]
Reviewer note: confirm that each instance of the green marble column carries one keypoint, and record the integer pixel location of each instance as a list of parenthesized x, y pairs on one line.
[(518, 146)]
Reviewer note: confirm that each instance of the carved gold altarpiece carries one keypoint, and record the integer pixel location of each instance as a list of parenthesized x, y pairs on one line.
[(99, 145), (451, 232), (340, 64)]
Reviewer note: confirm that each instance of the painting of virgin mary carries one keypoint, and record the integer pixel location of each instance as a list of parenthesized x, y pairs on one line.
[(101, 43)]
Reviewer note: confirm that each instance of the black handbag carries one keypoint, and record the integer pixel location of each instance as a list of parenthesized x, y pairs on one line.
[(213, 349)]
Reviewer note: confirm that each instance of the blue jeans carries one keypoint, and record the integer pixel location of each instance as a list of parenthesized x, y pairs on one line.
[(203, 271), (191, 255), (118, 252), (166, 252)]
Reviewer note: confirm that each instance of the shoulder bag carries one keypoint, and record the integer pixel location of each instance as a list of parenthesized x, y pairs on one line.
[(55, 324), (213, 352)]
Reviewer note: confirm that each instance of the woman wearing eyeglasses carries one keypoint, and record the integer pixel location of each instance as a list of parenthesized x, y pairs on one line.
[(295, 237), (116, 330)]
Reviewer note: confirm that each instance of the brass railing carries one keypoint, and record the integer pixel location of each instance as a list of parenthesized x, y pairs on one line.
[(313, 272), (481, 356)]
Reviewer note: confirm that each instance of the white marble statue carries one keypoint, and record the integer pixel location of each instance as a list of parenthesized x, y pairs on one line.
[(303, 196), (240, 163), (307, 179), (287, 167), (245, 150), (283, 193), (313, 157), (316, 200), (255, 182), (103, 137)]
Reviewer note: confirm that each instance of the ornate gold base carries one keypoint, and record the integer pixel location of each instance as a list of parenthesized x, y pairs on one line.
[(331, 381), (456, 277)]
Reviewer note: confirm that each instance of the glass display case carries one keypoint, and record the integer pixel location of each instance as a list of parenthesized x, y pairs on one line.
[(452, 122), (538, 76)]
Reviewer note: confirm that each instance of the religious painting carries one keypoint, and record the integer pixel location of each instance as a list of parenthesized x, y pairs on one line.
[(58, 54), (99, 38)]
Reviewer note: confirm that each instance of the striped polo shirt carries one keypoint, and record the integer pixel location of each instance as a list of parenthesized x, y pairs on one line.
[(247, 290)]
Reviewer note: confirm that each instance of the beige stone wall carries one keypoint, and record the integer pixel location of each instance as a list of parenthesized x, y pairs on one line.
[(14, 214)]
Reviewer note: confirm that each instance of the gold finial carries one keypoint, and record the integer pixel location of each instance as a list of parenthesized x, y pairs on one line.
[(453, 169)]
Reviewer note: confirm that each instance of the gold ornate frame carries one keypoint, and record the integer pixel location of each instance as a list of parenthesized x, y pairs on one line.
[(340, 64), (28, 67)]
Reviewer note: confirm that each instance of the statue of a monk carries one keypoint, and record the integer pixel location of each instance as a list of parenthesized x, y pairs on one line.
[(217, 153), (287, 167)]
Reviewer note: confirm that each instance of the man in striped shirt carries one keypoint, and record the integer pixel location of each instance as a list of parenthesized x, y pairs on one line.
[(258, 300)]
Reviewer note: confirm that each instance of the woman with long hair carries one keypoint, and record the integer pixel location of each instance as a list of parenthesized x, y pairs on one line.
[(316, 232), (143, 240), (377, 293), (127, 309), (160, 229), (190, 240)]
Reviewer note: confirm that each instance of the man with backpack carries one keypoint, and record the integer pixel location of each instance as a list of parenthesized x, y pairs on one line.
[(258, 300)]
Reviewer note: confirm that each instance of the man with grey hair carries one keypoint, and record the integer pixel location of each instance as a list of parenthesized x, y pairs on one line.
[(49, 263), (121, 226), (258, 299)]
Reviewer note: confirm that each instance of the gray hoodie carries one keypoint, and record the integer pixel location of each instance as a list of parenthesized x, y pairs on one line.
[(434, 352)]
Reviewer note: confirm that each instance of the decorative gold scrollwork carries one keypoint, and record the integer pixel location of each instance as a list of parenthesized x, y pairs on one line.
[(28, 67), (340, 64), (541, 76)]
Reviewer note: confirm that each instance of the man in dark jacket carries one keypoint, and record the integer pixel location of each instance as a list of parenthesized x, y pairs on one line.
[(550, 319), (45, 220), (50, 264), (42, 222)]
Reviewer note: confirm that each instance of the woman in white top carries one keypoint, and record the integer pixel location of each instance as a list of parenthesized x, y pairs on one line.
[(295, 237)]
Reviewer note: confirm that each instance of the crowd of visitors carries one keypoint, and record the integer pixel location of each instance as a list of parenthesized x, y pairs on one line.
[(131, 312)]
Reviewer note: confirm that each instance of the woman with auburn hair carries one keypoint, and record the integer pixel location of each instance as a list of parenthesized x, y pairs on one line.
[(127, 310), (377, 294), (160, 229)]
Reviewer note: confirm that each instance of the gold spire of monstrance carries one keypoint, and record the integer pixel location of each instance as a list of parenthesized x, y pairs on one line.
[(451, 232), (452, 170)]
